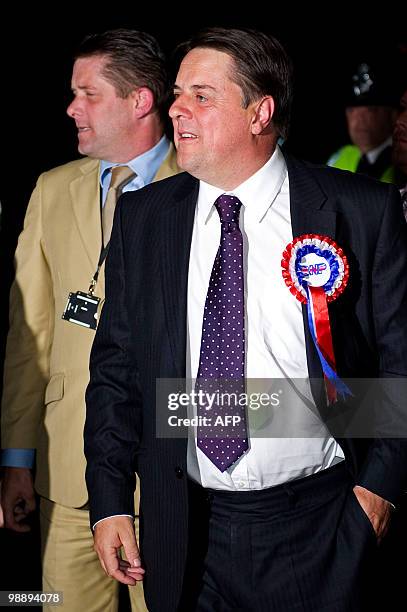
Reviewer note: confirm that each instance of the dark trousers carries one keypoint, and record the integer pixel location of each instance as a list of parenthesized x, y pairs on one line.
[(303, 546)]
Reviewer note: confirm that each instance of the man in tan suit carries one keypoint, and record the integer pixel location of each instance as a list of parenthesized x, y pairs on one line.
[(120, 86)]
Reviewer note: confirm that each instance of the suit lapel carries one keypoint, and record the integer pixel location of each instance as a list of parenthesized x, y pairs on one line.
[(85, 198), (311, 213), (175, 235)]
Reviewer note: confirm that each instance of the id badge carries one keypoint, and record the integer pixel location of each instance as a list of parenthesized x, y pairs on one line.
[(82, 309)]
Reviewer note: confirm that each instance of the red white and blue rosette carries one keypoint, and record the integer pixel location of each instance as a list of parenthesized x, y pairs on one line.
[(316, 271)]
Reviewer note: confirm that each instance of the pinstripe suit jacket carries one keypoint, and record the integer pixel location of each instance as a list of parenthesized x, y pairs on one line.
[(142, 337)]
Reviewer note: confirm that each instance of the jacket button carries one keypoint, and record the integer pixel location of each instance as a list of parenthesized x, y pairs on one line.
[(179, 473)]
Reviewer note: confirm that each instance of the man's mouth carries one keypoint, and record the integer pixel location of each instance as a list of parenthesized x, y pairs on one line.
[(187, 135)]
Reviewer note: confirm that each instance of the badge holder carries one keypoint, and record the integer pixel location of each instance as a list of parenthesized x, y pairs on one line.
[(82, 308)]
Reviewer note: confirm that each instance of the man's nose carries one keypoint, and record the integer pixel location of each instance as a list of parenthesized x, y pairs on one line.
[(73, 108), (180, 108)]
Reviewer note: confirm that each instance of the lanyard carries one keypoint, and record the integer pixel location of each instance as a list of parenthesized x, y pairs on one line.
[(103, 254)]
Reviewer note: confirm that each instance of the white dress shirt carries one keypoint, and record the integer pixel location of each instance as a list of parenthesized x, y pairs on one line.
[(275, 342)]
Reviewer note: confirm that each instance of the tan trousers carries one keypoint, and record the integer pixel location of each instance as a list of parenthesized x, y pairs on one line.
[(71, 565)]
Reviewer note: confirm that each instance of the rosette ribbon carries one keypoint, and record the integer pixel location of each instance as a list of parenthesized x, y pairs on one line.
[(316, 271)]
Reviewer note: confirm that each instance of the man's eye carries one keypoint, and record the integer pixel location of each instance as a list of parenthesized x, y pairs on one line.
[(201, 98)]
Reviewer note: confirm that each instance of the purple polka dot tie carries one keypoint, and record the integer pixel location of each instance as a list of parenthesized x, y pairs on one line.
[(223, 437)]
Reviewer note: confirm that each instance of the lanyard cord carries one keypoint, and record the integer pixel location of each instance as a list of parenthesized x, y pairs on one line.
[(103, 254)]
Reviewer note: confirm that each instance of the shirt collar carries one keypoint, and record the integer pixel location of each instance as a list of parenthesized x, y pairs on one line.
[(145, 165), (266, 183), (373, 154)]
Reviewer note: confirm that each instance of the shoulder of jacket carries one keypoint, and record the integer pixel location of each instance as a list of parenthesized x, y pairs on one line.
[(71, 170), (166, 186), (337, 180)]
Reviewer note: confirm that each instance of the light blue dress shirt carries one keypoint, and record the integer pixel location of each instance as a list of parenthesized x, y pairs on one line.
[(145, 167)]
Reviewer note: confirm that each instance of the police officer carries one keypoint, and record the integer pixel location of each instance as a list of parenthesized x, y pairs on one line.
[(370, 115)]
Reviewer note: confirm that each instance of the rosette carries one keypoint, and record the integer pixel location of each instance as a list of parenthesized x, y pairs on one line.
[(316, 271)]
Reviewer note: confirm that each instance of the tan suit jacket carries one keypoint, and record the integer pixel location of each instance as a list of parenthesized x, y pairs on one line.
[(46, 367)]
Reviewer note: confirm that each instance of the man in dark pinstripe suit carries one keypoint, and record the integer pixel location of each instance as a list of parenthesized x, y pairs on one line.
[(292, 524)]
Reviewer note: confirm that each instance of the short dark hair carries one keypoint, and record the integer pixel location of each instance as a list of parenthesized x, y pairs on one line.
[(262, 67), (135, 59)]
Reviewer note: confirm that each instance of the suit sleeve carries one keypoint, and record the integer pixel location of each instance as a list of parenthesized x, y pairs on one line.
[(113, 402), (26, 368), (385, 470)]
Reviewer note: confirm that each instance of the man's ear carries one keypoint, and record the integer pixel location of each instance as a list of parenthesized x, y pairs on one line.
[(143, 99), (263, 115)]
